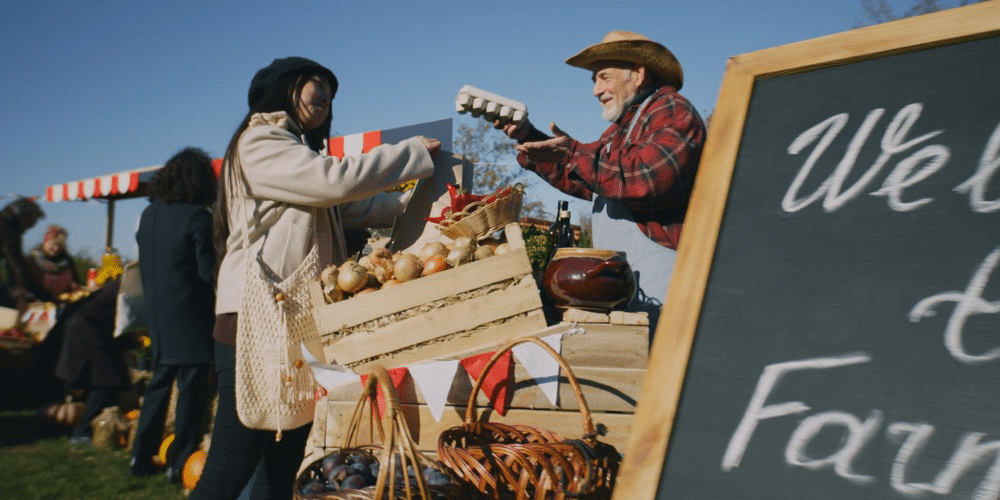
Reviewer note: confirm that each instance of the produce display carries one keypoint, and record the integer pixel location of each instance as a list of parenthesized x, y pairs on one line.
[(383, 268), (358, 469)]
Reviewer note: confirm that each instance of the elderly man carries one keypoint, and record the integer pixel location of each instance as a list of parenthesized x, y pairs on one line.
[(640, 172)]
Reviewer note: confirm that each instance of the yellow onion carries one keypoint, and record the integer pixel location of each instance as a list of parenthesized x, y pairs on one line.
[(329, 276), (483, 252), (352, 278), (432, 248), (462, 241), (408, 267), (434, 264), (502, 248), (459, 255)]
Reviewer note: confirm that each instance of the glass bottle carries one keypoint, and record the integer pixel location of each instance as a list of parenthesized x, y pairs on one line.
[(561, 232)]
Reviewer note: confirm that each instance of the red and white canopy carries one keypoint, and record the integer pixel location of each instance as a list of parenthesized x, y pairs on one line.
[(131, 183)]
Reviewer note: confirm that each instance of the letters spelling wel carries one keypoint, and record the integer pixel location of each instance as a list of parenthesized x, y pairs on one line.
[(970, 449)]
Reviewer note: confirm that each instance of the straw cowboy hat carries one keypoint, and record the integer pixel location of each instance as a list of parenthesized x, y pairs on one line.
[(634, 48)]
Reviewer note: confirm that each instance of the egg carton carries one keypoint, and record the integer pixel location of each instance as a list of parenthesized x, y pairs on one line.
[(490, 106)]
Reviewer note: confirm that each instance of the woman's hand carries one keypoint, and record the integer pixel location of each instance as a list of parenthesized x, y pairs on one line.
[(432, 145)]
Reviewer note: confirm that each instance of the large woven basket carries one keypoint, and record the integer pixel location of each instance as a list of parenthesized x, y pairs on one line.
[(393, 458), (526, 462), (481, 218)]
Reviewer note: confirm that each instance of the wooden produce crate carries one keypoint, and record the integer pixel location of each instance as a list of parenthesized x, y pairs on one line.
[(483, 302), (608, 358)]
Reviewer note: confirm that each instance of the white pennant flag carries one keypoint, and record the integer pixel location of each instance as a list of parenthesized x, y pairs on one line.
[(434, 380), (329, 376), (541, 365)]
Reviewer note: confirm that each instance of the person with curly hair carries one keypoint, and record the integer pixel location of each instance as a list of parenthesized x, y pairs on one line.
[(177, 265)]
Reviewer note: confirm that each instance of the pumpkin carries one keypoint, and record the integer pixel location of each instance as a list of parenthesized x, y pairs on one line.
[(192, 469), (67, 413)]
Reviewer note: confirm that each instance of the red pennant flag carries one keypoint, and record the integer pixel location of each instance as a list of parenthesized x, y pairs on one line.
[(397, 375), (497, 382)]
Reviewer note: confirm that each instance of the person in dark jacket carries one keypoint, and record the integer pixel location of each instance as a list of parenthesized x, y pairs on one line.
[(177, 265), (23, 281), (89, 358)]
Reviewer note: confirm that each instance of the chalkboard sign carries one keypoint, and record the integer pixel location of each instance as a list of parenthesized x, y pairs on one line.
[(832, 330)]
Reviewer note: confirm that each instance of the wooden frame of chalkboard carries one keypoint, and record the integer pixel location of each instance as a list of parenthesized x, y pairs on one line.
[(741, 117)]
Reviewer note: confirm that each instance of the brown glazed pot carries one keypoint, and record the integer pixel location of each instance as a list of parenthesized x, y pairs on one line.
[(589, 278)]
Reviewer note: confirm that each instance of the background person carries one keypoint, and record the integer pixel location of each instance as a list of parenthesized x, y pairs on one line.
[(298, 197), (22, 283), (639, 174), (59, 274), (177, 266)]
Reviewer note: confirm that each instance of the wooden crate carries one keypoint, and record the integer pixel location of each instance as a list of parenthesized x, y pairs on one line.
[(479, 303), (608, 358)]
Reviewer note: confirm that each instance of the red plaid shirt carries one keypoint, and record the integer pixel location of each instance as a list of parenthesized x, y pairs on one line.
[(651, 170)]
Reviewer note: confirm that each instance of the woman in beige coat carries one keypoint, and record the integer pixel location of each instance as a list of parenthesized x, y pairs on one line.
[(295, 196)]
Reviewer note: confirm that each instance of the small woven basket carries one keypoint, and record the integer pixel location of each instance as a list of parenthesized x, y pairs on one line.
[(525, 462), (481, 219), (392, 459)]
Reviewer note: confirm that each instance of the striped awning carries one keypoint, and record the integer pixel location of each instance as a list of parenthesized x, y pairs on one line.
[(131, 183)]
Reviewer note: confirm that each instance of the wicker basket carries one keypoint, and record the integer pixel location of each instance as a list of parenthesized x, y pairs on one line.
[(526, 462), (393, 458), (481, 219)]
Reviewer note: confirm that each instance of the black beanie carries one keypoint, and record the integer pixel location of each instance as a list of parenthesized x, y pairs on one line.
[(266, 77)]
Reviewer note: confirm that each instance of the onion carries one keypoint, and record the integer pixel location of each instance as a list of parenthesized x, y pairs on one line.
[(433, 248), (489, 242), (380, 256), (390, 283), (434, 264), (483, 252), (408, 267), (333, 293), (459, 255), (502, 248), (352, 278), (329, 276), (366, 262), (461, 242)]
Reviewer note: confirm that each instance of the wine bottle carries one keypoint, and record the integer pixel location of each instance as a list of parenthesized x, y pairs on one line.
[(561, 232)]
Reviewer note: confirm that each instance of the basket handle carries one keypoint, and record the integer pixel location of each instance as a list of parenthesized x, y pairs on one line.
[(398, 444), (588, 424)]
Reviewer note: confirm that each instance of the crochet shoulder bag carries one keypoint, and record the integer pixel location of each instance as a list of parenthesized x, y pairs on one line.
[(274, 386)]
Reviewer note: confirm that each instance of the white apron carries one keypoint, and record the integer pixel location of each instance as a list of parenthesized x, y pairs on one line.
[(651, 263)]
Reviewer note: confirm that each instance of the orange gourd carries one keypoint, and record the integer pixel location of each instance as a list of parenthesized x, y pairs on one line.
[(192, 469)]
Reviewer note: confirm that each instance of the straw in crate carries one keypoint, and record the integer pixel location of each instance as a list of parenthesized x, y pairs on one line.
[(484, 217), (392, 469), (526, 462)]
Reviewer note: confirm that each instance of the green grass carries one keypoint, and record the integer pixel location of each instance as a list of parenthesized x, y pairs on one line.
[(39, 463)]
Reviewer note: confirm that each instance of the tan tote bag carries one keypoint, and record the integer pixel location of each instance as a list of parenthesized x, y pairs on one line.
[(275, 388)]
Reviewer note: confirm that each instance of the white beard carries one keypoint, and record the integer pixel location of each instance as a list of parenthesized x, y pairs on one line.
[(612, 112)]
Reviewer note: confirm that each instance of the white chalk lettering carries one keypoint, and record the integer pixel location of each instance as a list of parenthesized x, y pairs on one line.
[(977, 185), (898, 179), (858, 435), (967, 303), (893, 142), (919, 434), (969, 453), (757, 410)]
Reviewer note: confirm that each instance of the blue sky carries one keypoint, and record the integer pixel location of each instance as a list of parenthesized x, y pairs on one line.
[(92, 87)]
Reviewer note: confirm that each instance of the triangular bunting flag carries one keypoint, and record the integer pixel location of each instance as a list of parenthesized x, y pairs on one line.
[(397, 375), (497, 382), (541, 365), (434, 380), (328, 376)]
